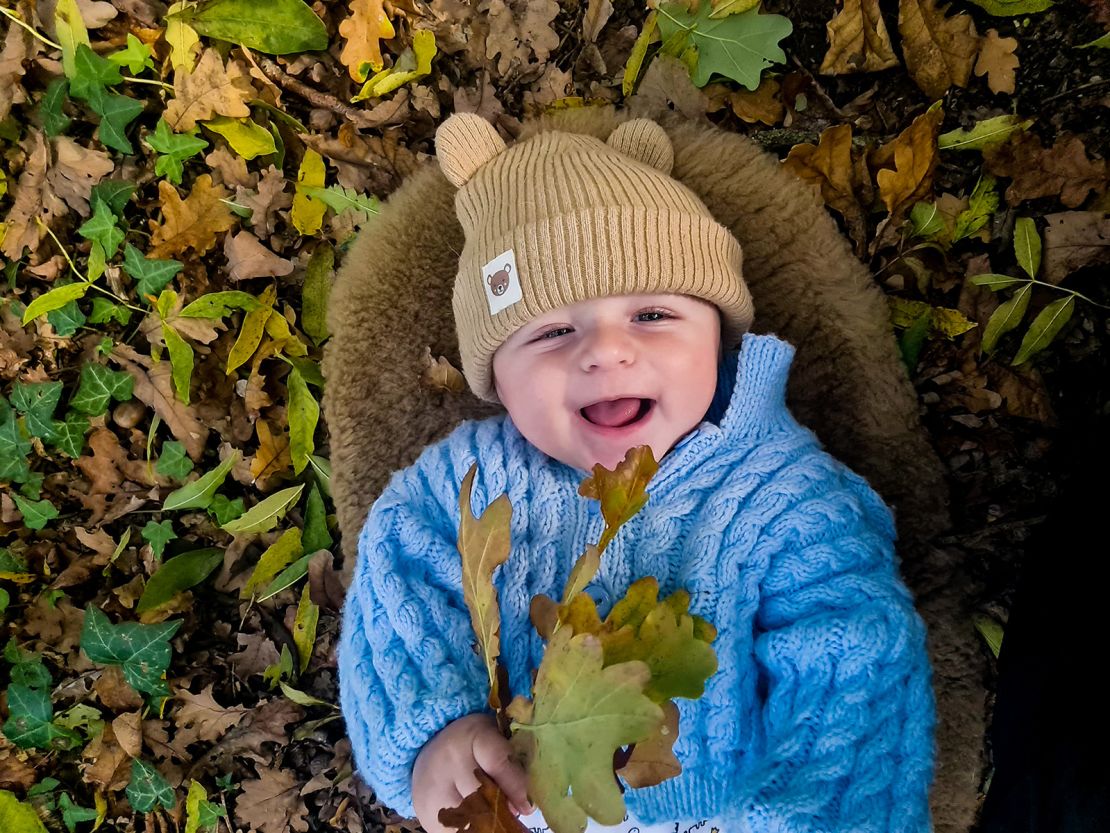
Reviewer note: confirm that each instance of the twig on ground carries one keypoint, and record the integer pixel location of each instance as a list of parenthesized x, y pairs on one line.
[(317, 98)]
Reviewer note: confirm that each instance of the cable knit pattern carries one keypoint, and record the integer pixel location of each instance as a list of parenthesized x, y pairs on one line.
[(821, 715)]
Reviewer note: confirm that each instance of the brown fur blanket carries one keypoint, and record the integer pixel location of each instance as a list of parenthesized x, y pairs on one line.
[(392, 300)]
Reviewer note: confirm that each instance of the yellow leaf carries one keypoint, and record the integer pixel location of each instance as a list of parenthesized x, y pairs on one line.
[(367, 25), (858, 40), (639, 49), (210, 89), (914, 156), (246, 137), (304, 414), (947, 322), (190, 223), (283, 552), (71, 31), (254, 325), (308, 212), (421, 52), (763, 104), (183, 39), (304, 628), (483, 544), (829, 166), (998, 62), (272, 457), (939, 50)]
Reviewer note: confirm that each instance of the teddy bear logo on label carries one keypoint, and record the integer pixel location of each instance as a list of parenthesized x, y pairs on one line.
[(501, 281)]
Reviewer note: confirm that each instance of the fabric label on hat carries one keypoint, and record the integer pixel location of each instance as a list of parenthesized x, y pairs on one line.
[(502, 282)]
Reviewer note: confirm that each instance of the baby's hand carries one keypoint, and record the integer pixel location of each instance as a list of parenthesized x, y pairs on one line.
[(444, 770)]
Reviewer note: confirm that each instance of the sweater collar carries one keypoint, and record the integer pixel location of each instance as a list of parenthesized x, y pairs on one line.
[(750, 401)]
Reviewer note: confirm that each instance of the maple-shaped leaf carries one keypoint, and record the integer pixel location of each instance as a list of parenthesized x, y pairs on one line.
[(101, 228), (581, 714), (486, 810), (211, 89), (621, 491), (737, 46), (653, 760), (484, 545), (663, 635), (193, 222), (364, 30), (136, 56)]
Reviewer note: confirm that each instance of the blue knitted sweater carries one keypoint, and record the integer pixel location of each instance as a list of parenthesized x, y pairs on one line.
[(821, 714)]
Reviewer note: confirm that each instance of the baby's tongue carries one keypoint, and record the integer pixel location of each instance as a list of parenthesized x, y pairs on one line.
[(611, 414)]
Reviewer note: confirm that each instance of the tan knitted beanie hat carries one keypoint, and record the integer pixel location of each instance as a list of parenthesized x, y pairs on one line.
[(563, 217)]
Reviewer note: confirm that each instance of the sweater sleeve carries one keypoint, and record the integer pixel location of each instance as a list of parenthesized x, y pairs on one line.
[(847, 709), (406, 662)]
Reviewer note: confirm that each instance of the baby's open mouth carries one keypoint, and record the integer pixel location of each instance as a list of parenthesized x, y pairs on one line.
[(617, 413)]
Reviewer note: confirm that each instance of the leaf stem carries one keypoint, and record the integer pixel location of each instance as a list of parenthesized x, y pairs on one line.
[(15, 17), (135, 80), (84, 278), (1070, 292)]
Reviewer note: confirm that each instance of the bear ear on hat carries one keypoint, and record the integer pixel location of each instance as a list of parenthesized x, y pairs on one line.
[(645, 141), (464, 143)]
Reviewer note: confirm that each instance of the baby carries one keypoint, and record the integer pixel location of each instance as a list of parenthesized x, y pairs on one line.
[(601, 304)]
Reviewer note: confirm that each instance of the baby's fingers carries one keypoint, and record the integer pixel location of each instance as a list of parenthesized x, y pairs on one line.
[(492, 754)]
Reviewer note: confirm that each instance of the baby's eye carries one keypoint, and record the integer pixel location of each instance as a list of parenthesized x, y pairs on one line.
[(663, 315)]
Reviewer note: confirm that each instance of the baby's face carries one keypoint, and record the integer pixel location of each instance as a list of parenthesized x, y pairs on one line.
[(604, 348)]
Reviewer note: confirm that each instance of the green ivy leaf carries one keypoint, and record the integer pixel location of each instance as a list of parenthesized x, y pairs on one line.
[(142, 651), (114, 192), (69, 435), (72, 813), (224, 510), (104, 311), (135, 56), (738, 46), (116, 112), (174, 461), (99, 385), (158, 534), (27, 668), (151, 274), (29, 725), (174, 149), (148, 788), (14, 448), (36, 514), (32, 486), (101, 228), (54, 119), (92, 74), (68, 318), (37, 401)]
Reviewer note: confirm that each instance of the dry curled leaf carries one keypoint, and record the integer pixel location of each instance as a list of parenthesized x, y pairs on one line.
[(272, 803), (1063, 171), (939, 50), (858, 40), (440, 373)]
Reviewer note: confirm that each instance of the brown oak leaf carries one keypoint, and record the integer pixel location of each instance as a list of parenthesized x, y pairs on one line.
[(997, 61), (248, 258), (211, 89), (939, 50), (272, 803), (1062, 170), (190, 223), (201, 718)]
